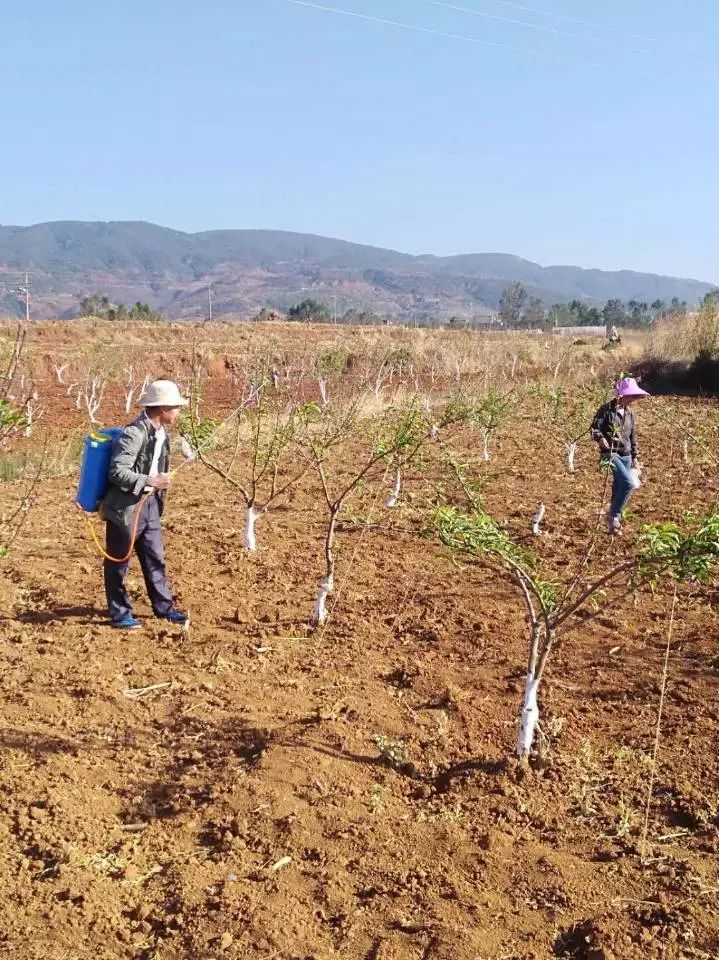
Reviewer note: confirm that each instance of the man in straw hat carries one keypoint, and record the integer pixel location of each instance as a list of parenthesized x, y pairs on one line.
[(614, 429), (138, 480)]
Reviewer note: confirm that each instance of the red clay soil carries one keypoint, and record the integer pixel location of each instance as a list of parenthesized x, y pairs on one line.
[(222, 794)]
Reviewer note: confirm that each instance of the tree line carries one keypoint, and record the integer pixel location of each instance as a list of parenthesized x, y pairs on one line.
[(517, 309), (94, 305)]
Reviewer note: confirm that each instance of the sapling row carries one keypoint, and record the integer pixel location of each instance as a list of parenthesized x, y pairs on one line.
[(12, 419), (17, 415)]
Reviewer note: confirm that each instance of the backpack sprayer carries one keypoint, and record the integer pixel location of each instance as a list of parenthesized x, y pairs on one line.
[(95, 469), (94, 482)]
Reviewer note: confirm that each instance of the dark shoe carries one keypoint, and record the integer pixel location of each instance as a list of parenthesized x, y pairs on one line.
[(174, 616), (127, 623)]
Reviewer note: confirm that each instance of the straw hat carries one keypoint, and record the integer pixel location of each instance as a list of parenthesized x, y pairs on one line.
[(162, 393), (628, 387)]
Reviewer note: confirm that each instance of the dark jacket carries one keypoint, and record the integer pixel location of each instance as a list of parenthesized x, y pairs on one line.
[(130, 464), (619, 431)]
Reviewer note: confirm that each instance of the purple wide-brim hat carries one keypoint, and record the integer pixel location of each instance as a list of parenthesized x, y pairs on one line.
[(628, 387)]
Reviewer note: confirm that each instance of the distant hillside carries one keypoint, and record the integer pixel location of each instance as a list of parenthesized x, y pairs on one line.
[(250, 269)]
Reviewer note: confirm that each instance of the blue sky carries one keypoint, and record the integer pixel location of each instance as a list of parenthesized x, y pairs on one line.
[(598, 149)]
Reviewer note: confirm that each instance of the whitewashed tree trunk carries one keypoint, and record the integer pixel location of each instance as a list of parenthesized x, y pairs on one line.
[(134, 389), (90, 395), (530, 718), (537, 519), (320, 612), (323, 391), (571, 450), (59, 370), (394, 495), (31, 413), (685, 449), (485, 451), (251, 520)]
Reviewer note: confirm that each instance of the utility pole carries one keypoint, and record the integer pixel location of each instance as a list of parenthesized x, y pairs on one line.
[(334, 309), (209, 302)]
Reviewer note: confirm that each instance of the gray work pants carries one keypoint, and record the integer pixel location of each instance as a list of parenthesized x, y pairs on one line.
[(151, 554)]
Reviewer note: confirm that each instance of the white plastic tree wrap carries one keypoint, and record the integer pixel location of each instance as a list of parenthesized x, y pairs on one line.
[(250, 520), (537, 520), (327, 586), (393, 498)]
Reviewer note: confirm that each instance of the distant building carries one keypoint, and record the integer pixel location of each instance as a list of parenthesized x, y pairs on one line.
[(580, 331)]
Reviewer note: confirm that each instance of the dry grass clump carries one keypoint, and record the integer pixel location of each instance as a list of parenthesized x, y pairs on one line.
[(687, 338)]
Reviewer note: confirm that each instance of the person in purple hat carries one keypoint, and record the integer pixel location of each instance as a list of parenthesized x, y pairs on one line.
[(614, 429)]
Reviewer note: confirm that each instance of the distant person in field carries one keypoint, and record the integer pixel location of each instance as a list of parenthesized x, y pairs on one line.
[(614, 335), (139, 479), (614, 429)]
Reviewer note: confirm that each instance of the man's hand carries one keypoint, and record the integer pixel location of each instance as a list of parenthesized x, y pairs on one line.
[(603, 444), (161, 482), (635, 463)]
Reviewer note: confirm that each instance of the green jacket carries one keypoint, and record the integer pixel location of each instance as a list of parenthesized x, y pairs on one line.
[(130, 464)]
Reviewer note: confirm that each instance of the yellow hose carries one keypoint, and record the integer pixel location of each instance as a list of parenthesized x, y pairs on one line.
[(133, 533)]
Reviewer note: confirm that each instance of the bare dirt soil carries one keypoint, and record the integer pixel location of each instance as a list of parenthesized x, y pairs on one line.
[(221, 794)]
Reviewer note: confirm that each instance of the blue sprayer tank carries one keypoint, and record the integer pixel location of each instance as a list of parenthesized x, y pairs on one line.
[(93, 482)]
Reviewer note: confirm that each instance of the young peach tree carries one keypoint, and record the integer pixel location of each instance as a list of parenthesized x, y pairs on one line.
[(395, 437), (493, 411), (256, 452), (566, 418), (688, 553)]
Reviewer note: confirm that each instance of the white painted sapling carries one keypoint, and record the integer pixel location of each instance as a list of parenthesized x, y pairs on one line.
[(328, 367), (133, 387), (267, 430), (491, 413), (90, 395), (33, 412), (398, 437), (566, 418), (551, 607)]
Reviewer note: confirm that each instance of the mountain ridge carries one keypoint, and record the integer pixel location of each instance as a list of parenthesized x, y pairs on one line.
[(251, 268)]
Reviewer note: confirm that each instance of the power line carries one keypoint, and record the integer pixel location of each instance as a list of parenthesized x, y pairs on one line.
[(525, 23), (447, 35), (583, 23)]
